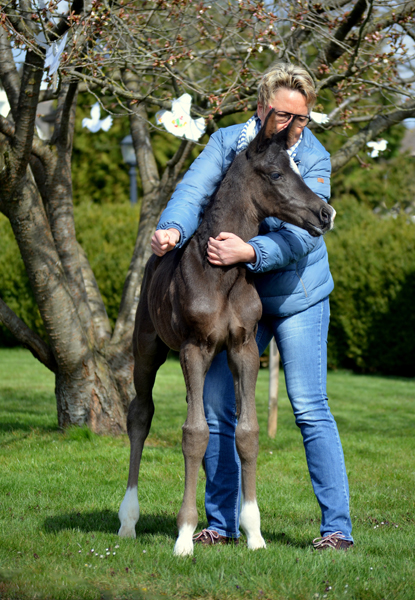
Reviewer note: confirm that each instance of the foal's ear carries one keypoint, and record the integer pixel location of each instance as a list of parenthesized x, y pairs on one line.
[(285, 137), (263, 139), (267, 135)]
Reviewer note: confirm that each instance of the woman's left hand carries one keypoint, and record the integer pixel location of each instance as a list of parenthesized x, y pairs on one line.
[(229, 249)]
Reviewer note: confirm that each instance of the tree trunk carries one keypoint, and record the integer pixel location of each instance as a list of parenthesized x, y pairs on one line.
[(93, 374), (90, 395)]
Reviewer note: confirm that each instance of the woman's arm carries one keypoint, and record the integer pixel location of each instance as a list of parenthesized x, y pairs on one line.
[(191, 196)]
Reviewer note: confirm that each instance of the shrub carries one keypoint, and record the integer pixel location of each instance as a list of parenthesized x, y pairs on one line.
[(106, 232), (372, 318), (14, 285)]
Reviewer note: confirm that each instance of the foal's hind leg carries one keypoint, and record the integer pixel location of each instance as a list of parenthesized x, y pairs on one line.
[(244, 364), (195, 363), (149, 356)]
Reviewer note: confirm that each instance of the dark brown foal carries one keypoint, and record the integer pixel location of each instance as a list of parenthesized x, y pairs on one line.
[(198, 309)]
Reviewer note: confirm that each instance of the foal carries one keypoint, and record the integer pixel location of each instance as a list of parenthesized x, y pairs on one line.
[(198, 309)]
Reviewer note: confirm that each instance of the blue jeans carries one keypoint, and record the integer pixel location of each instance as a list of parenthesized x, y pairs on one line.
[(302, 343)]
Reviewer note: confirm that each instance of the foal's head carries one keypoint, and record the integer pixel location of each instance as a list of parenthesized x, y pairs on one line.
[(277, 189)]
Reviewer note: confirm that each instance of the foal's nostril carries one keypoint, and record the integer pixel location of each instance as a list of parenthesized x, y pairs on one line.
[(325, 215)]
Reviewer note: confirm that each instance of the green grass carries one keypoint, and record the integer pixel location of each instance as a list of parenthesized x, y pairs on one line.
[(60, 494)]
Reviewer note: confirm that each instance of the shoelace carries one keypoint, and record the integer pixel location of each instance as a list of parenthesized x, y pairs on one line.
[(214, 535), (328, 540)]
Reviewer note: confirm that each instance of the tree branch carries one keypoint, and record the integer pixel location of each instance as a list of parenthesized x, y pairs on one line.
[(26, 111), (146, 161), (8, 73), (379, 124), (39, 149), (334, 50), (63, 25), (100, 319), (64, 120), (27, 337), (60, 205)]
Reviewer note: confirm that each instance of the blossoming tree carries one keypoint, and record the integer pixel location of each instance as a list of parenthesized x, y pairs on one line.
[(140, 55)]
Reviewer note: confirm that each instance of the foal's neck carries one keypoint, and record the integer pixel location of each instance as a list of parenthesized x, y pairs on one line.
[(232, 210)]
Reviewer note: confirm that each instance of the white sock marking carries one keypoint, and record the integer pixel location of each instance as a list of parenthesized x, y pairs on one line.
[(184, 542), (129, 513), (251, 524)]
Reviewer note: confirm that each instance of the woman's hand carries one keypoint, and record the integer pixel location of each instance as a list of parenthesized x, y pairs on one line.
[(164, 240), (229, 249)]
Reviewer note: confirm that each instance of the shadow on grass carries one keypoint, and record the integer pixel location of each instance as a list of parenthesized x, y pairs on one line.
[(106, 521), (9, 426), (284, 540)]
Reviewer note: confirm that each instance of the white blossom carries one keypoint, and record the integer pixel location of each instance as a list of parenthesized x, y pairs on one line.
[(53, 54), (319, 118), (179, 122), (95, 123), (377, 147)]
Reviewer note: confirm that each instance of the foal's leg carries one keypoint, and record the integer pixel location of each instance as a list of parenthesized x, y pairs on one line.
[(195, 363), (150, 353), (244, 364)]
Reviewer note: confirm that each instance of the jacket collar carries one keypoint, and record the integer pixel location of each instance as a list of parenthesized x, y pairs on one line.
[(305, 142)]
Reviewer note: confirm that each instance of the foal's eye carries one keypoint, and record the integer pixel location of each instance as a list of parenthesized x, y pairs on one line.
[(275, 175)]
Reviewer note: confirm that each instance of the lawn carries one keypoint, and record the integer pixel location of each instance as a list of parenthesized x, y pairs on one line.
[(60, 494)]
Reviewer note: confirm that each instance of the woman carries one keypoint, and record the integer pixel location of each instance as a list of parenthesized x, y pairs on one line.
[(294, 282)]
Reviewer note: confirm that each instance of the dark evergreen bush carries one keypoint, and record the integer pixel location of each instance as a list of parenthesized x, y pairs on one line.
[(372, 307), (107, 233), (14, 285)]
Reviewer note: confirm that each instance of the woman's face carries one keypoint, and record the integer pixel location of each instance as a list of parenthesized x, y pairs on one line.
[(289, 101)]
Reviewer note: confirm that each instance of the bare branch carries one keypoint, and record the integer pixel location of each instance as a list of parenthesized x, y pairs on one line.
[(380, 124), (333, 50), (27, 337), (39, 148), (26, 110), (100, 319), (60, 205), (64, 121), (8, 73)]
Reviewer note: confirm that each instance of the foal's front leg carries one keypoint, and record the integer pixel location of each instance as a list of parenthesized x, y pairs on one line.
[(195, 363), (149, 354), (244, 364)]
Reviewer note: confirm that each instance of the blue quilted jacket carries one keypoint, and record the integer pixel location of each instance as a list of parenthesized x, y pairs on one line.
[(292, 268)]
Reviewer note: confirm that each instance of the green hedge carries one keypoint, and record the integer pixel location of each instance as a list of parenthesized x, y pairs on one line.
[(372, 260), (14, 285), (107, 233)]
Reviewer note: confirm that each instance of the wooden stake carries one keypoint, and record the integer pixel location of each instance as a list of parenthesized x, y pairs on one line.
[(274, 367)]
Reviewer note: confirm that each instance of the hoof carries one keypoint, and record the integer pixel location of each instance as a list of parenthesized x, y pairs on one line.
[(127, 531), (183, 548), (257, 542)]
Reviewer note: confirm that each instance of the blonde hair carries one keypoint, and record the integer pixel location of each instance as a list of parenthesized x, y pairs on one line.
[(284, 75)]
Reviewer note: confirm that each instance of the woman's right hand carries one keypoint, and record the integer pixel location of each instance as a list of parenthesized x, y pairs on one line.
[(164, 240)]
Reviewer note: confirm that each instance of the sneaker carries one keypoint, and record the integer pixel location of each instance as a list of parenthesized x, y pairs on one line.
[(209, 537), (335, 541)]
